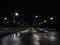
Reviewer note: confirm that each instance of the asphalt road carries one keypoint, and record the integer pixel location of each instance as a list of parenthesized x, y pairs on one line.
[(49, 38)]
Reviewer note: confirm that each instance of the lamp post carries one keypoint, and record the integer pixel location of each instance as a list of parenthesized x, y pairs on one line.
[(15, 15), (5, 19)]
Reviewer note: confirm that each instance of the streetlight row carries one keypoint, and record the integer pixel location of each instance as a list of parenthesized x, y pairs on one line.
[(17, 14), (9, 22), (51, 18)]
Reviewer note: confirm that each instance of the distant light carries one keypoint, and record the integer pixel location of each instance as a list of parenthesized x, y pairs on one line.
[(36, 16), (16, 14), (45, 21), (51, 18), (5, 18), (39, 23), (7, 22), (18, 22), (14, 21), (46, 31)]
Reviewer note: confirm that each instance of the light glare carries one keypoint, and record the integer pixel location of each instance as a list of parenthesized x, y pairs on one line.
[(5, 18), (51, 18), (45, 21), (36, 16), (16, 14)]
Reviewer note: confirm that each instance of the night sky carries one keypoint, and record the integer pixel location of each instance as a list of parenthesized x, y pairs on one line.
[(27, 11)]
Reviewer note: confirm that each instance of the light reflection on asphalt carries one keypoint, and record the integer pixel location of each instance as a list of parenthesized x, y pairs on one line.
[(37, 39)]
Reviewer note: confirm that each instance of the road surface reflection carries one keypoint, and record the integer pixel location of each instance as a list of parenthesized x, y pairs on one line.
[(49, 38)]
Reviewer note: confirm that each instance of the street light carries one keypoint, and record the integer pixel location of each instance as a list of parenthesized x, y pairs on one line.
[(14, 21), (51, 18), (16, 14), (45, 21), (36, 16), (5, 18)]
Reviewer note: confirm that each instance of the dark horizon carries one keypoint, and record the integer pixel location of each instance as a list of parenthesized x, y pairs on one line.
[(27, 13)]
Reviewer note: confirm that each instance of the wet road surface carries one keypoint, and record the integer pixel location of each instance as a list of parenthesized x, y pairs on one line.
[(49, 38)]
